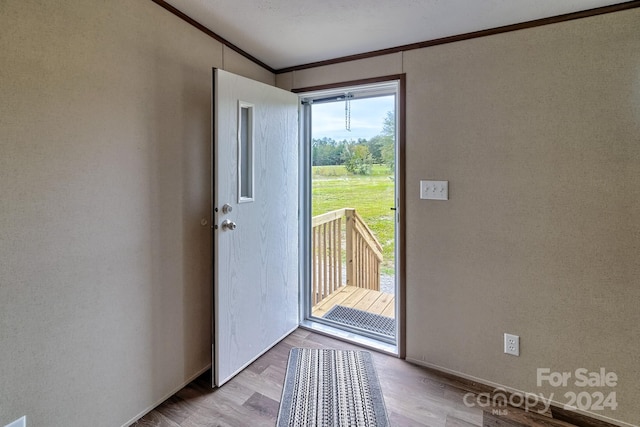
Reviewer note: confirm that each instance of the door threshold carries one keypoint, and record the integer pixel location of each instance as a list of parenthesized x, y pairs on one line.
[(350, 337)]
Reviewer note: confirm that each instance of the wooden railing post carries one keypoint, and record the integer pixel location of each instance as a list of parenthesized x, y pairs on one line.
[(314, 266), (362, 251), (350, 249)]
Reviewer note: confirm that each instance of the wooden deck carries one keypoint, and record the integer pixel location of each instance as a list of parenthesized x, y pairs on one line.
[(375, 302)]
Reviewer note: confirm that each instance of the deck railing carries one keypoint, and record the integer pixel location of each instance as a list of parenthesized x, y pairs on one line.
[(344, 252)]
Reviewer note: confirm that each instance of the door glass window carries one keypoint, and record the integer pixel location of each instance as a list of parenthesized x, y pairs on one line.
[(245, 152)]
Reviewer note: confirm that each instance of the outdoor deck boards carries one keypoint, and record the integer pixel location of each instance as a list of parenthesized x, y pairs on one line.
[(375, 302)]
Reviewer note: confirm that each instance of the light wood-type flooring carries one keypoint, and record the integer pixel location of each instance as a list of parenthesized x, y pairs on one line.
[(414, 396)]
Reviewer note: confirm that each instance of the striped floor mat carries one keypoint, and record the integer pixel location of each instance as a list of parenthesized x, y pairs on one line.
[(331, 388)]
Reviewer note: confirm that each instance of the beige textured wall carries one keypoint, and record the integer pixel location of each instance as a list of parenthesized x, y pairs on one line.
[(538, 133), (105, 279), (238, 64), (385, 65)]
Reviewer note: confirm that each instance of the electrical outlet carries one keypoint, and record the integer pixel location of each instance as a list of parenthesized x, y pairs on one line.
[(512, 344), (22, 422)]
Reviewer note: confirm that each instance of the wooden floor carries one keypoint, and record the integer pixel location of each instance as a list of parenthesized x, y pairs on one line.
[(363, 299), (413, 396)]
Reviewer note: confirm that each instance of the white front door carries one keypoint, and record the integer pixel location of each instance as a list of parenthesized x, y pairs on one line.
[(255, 182)]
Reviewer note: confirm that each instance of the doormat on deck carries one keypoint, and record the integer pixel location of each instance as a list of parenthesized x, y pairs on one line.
[(331, 388), (361, 319)]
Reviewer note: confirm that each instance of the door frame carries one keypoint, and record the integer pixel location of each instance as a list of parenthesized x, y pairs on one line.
[(305, 208)]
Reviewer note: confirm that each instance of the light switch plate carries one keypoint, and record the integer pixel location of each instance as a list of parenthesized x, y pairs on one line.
[(22, 422), (434, 190)]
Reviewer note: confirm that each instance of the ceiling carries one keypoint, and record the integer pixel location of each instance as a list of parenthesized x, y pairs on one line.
[(286, 33)]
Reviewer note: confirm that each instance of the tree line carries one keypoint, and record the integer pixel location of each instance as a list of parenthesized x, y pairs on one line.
[(359, 155)]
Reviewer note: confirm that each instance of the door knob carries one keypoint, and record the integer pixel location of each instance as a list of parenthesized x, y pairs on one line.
[(228, 225)]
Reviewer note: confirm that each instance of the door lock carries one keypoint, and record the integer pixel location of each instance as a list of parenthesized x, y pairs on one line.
[(226, 208), (228, 225)]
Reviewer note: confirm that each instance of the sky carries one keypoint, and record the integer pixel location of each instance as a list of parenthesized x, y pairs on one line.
[(367, 117)]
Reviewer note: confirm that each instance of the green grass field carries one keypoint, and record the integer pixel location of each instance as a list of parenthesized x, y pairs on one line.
[(371, 196)]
